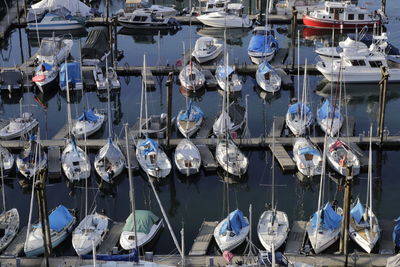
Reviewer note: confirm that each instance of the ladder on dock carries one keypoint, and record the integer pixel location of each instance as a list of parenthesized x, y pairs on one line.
[(111, 239), (16, 246), (203, 239), (296, 238)]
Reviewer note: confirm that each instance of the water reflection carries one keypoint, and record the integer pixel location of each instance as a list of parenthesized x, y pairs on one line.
[(147, 36), (233, 36), (34, 38)]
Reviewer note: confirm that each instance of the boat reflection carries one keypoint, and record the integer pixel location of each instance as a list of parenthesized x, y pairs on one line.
[(148, 36), (233, 36), (35, 42)]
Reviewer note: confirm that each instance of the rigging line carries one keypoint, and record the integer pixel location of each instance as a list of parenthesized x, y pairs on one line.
[(2, 181)]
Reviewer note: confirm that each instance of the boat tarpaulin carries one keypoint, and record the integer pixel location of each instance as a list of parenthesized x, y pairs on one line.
[(222, 69), (107, 257), (145, 219), (396, 233), (76, 7), (357, 212), (193, 113), (309, 150), (59, 218), (297, 107), (223, 123), (96, 44), (262, 44), (88, 115), (74, 73), (329, 219), (326, 111), (149, 146), (234, 223), (265, 67)]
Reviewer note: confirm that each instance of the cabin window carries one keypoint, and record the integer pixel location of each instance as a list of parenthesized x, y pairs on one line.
[(323, 17), (57, 19), (219, 5), (327, 9), (137, 18), (375, 64), (360, 16), (357, 62), (210, 6), (350, 17)]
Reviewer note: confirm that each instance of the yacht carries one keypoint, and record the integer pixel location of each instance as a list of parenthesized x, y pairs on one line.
[(140, 19), (232, 17), (133, 5), (54, 22)]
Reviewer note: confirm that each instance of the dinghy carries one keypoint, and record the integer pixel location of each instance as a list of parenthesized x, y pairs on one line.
[(191, 78), (61, 222), (232, 231), (152, 159), (89, 233), (187, 157), (190, 120), (230, 158), (110, 161), (19, 126), (147, 226), (6, 160), (329, 118), (341, 157), (75, 162), (267, 78), (31, 161), (206, 49), (307, 157), (299, 118), (262, 46), (45, 75), (88, 123), (9, 225)]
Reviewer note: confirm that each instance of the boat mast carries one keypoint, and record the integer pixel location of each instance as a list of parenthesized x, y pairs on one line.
[(2, 181), (108, 97), (273, 166), (298, 65), (369, 184), (68, 99), (321, 186), (145, 93)]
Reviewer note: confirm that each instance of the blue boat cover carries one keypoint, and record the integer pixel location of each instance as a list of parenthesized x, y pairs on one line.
[(106, 257), (326, 110), (294, 108), (88, 115), (149, 146), (58, 219), (221, 70), (357, 212), (309, 150), (74, 73), (265, 67), (47, 66), (263, 44), (329, 218), (193, 113), (235, 223), (396, 233)]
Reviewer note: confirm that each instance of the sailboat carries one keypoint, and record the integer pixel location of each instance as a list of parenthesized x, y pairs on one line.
[(307, 157), (329, 118), (88, 123), (232, 231), (17, 127), (187, 157), (6, 160), (45, 76), (230, 158), (273, 225), (364, 225), (262, 46), (341, 157), (267, 78), (323, 228), (32, 159), (226, 77), (61, 222), (190, 120), (150, 156)]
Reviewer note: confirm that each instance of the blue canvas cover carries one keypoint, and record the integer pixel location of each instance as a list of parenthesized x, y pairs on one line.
[(58, 219), (263, 44), (193, 113), (47, 66), (396, 233), (357, 212), (296, 107), (221, 69), (74, 73), (265, 67), (329, 218), (134, 256), (88, 115), (149, 146), (236, 223), (309, 150), (326, 110)]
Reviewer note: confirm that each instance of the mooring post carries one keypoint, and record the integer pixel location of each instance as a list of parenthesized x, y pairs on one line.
[(294, 27), (115, 22), (346, 213), (382, 101), (383, 6), (19, 22), (169, 105), (25, 9)]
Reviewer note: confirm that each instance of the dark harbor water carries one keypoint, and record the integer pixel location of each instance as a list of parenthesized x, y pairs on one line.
[(189, 201)]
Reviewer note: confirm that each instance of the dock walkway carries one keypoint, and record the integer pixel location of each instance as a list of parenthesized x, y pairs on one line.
[(203, 239), (386, 245), (16, 246), (111, 238), (295, 240)]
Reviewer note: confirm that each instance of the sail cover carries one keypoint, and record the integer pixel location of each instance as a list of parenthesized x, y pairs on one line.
[(193, 113), (396, 233), (329, 218), (76, 7), (309, 150), (357, 212), (145, 219), (60, 218), (149, 146), (88, 116), (74, 73), (110, 152), (326, 111), (223, 123), (296, 107), (262, 44), (235, 223)]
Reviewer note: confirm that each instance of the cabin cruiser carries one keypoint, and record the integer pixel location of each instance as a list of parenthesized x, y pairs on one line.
[(233, 17), (54, 50), (206, 49), (160, 11), (140, 19), (349, 45), (54, 22), (45, 75), (262, 45), (215, 6)]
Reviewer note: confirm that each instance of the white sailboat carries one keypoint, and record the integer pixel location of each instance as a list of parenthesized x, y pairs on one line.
[(329, 118), (364, 226), (267, 78), (18, 127), (187, 157), (32, 159), (226, 77), (190, 120), (88, 123), (307, 156), (341, 157), (273, 225), (6, 160), (230, 158)]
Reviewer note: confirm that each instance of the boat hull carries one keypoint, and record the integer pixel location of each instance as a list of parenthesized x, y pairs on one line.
[(336, 24), (55, 27)]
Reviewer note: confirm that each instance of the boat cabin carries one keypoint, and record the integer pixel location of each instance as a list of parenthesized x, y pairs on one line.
[(260, 30), (216, 5), (342, 11), (235, 9)]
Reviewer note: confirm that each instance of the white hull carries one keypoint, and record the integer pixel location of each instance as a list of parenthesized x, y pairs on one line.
[(230, 158), (17, 128), (272, 85), (297, 125), (187, 129), (9, 221), (328, 127), (323, 239), (29, 169), (335, 157), (75, 164), (107, 173), (82, 128), (365, 237), (258, 57), (228, 242), (275, 233), (208, 55), (63, 26), (160, 168), (191, 78), (221, 20), (128, 243), (309, 165), (7, 160), (187, 157)]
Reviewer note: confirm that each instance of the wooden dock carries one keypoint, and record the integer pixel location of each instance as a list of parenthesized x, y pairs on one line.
[(149, 78), (386, 245), (111, 239), (207, 158), (132, 157), (295, 240), (205, 129), (203, 239), (53, 162), (16, 247)]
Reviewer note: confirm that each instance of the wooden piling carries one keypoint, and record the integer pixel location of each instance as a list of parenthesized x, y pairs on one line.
[(344, 237), (169, 105), (382, 101), (294, 28), (18, 13)]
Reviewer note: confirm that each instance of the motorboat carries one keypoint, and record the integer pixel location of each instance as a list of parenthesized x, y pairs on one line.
[(110, 161), (206, 49), (227, 79), (160, 11), (190, 120), (9, 226), (147, 226), (88, 123), (53, 51), (360, 67), (19, 126), (152, 158), (299, 118), (54, 22), (191, 77), (89, 233), (324, 230), (232, 17), (101, 79), (230, 158), (262, 46), (6, 161), (329, 118), (215, 6), (45, 76), (187, 157), (72, 70), (349, 45), (61, 222), (341, 157), (140, 19), (31, 161), (342, 15), (307, 157), (75, 162), (267, 78), (232, 231), (272, 229)]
